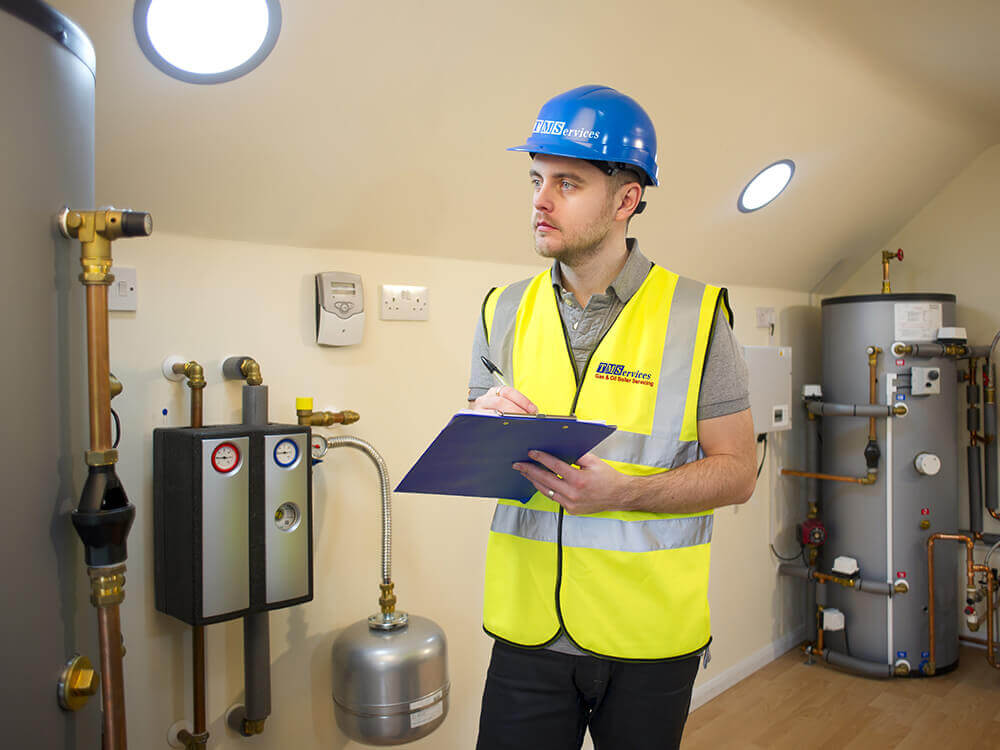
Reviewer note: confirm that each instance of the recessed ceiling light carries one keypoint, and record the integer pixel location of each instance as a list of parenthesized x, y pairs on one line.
[(766, 186), (206, 41)]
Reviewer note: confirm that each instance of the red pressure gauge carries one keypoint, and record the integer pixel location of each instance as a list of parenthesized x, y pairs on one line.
[(225, 458)]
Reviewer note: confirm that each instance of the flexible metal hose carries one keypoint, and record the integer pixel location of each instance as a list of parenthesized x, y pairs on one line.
[(348, 441)]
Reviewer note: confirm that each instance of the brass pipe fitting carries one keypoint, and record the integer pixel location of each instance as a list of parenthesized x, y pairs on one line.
[(387, 601), (107, 586), (193, 740), (251, 371), (308, 417), (78, 683), (194, 373), (251, 728)]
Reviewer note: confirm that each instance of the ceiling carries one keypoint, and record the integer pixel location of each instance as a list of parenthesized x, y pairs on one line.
[(382, 126)]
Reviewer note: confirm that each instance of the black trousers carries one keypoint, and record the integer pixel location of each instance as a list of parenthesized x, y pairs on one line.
[(546, 700)]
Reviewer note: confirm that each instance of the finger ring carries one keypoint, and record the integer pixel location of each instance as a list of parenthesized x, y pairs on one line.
[(552, 493)]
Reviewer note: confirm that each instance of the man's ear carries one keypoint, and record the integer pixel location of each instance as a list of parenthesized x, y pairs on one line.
[(631, 197)]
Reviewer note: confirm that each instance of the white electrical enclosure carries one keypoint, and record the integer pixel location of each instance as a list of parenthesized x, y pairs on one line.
[(340, 308), (770, 387)]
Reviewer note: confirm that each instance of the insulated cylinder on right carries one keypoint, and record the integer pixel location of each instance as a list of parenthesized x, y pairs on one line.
[(882, 524)]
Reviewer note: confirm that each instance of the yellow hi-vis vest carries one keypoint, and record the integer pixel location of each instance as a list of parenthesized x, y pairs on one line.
[(623, 584)]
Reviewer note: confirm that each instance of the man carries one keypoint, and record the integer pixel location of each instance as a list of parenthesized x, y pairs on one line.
[(596, 588)]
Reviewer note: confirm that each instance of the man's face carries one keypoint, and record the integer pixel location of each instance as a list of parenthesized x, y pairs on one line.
[(572, 210)]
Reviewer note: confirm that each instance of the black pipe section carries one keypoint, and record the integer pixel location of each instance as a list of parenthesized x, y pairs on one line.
[(825, 409), (858, 666), (975, 456), (104, 517), (256, 626)]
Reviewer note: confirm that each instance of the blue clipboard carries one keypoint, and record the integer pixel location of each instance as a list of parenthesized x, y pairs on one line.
[(472, 455)]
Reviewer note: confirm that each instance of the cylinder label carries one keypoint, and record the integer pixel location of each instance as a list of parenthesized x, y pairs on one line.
[(917, 321), (426, 716)]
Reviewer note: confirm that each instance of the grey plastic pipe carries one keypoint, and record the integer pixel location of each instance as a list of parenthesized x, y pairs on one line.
[(347, 441), (858, 666), (990, 429), (880, 588), (825, 409)]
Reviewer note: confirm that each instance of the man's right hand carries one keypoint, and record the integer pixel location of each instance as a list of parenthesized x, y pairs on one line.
[(506, 399)]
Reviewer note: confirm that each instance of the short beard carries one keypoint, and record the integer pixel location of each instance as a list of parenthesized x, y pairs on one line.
[(582, 247)]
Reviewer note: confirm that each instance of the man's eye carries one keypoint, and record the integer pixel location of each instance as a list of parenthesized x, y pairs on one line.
[(567, 185)]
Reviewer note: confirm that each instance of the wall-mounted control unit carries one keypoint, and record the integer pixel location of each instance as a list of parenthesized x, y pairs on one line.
[(770, 369), (232, 516), (340, 308)]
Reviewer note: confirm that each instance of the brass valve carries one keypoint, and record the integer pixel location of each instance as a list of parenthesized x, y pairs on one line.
[(306, 416), (96, 230)]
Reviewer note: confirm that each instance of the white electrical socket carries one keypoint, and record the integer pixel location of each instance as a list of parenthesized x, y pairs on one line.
[(765, 317), (404, 302)]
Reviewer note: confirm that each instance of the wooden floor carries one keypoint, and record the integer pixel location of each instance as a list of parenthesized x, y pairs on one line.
[(788, 704)]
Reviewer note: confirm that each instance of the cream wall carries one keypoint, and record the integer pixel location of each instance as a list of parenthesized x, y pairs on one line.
[(208, 299), (951, 246)]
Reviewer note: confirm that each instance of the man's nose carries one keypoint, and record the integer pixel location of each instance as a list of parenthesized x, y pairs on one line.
[(542, 200)]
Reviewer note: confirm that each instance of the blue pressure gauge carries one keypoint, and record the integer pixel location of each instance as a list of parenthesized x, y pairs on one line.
[(286, 453)]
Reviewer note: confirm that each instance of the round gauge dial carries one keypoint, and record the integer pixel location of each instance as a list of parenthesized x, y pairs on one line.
[(287, 517), (225, 458), (318, 446), (286, 453)]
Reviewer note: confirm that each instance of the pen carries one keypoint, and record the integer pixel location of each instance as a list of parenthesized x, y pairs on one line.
[(494, 370)]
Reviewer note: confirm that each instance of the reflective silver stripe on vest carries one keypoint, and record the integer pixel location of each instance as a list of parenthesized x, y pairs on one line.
[(501, 338), (603, 533), (647, 450), (662, 449)]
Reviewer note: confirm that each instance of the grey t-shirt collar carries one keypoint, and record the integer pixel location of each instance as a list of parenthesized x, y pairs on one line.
[(628, 280)]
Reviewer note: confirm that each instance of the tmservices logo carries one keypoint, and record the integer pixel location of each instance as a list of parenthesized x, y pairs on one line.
[(558, 127), (619, 374)]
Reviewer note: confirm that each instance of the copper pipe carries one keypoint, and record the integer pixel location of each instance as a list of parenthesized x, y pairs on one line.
[(970, 584), (113, 683), (98, 367), (869, 479), (872, 376), (990, 586), (819, 630), (197, 401)]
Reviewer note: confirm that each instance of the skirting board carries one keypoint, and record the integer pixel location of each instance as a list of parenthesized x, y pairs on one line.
[(704, 692)]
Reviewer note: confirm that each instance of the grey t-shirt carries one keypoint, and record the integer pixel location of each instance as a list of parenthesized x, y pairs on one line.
[(725, 385)]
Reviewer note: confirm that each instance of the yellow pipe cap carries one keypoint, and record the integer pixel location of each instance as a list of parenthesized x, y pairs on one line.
[(303, 404)]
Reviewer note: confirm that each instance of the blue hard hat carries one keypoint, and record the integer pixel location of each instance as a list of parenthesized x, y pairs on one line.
[(596, 123)]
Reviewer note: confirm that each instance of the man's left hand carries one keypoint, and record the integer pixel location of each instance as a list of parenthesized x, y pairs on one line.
[(592, 488)]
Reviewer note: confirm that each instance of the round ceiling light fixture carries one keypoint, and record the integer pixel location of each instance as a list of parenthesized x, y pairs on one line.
[(766, 186), (206, 41)]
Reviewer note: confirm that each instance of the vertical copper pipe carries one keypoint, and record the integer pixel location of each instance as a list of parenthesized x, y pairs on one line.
[(970, 577), (198, 631), (872, 376), (98, 367), (112, 682), (196, 406)]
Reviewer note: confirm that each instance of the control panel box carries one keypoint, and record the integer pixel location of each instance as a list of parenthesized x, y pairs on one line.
[(770, 369), (232, 518), (925, 381)]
